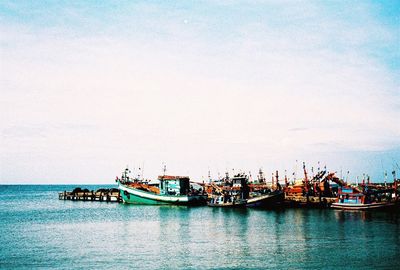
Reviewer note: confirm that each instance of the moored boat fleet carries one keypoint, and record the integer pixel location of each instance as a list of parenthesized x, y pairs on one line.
[(324, 190)]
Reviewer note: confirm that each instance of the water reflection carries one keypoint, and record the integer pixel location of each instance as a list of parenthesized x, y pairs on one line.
[(228, 229), (365, 216)]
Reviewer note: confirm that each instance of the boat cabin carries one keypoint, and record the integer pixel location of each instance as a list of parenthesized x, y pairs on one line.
[(239, 180), (174, 185), (347, 195)]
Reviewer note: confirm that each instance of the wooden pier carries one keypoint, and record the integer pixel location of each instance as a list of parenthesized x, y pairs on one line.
[(101, 195)]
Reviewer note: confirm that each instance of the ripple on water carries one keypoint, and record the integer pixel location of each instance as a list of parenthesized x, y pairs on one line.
[(38, 230)]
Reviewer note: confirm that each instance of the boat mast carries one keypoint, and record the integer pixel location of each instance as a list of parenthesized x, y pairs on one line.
[(385, 175), (261, 178), (395, 184), (125, 173), (286, 179), (143, 171), (272, 181), (305, 177), (164, 168)]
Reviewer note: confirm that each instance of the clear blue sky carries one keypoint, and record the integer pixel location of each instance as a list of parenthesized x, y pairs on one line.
[(88, 87)]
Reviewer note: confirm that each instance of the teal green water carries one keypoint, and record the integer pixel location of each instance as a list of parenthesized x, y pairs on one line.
[(39, 231)]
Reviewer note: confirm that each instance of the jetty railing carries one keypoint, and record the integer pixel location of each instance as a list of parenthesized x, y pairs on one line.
[(102, 195)]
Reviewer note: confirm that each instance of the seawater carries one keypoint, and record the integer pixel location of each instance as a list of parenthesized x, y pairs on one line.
[(39, 231)]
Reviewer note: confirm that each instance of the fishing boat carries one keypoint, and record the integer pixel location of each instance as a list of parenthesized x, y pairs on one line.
[(316, 192), (352, 198), (237, 191), (170, 190), (263, 195), (232, 193)]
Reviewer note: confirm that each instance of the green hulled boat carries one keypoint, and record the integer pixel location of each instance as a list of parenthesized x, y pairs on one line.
[(169, 190)]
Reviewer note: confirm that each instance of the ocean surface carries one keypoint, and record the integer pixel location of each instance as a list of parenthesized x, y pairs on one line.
[(39, 231)]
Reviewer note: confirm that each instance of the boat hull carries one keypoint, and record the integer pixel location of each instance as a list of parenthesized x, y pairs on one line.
[(135, 196), (269, 200), (228, 204), (220, 201), (363, 207)]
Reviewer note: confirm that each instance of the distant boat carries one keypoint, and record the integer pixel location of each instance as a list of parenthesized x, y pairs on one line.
[(350, 198), (314, 192), (236, 192), (171, 190), (232, 193)]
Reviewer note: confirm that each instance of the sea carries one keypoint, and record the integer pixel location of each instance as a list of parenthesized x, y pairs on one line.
[(37, 230)]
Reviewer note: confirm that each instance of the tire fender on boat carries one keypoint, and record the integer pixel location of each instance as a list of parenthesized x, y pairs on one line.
[(126, 193)]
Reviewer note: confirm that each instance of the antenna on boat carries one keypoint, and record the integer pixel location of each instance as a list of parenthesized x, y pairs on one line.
[(125, 173), (143, 171), (164, 169), (261, 178), (385, 174), (272, 181), (286, 179), (305, 177)]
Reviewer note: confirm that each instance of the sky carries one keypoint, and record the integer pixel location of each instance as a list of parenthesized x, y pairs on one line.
[(87, 88)]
